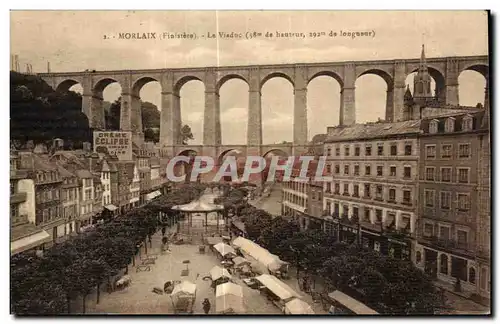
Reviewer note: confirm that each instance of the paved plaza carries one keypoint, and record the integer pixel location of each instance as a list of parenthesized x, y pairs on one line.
[(138, 298)]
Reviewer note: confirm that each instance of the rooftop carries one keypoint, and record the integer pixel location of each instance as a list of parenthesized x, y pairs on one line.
[(372, 130)]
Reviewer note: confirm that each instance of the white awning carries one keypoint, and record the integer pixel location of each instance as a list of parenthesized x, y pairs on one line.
[(248, 248), (224, 249), (277, 287), (111, 207), (29, 242), (297, 306), (295, 206), (217, 272), (185, 287), (229, 299), (153, 195)]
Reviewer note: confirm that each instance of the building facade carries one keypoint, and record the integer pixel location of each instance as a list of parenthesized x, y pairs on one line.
[(450, 232), (373, 195)]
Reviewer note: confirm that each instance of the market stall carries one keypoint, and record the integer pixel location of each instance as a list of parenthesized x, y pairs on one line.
[(298, 307), (276, 290), (219, 276), (225, 251), (183, 297), (250, 250), (229, 299)]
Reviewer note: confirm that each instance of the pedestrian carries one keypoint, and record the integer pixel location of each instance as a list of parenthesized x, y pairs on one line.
[(163, 230), (206, 306)]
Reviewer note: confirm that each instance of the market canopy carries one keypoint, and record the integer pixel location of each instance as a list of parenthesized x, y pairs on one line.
[(224, 249), (229, 299), (217, 272), (111, 207), (153, 195), (184, 288), (298, 306), (277, 287), (271, 261), (239, 261), (198, 206), (213, 240)]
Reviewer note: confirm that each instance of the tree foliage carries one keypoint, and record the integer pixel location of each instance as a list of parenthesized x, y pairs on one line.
[(44, 285), (390, 286), (186, 134), (40, 114)]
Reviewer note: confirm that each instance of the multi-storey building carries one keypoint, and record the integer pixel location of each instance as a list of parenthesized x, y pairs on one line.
[(302, 198), (125, 177), (25, 235), (135, 187), (373, 195), (142, 160), (70, 202), (47, 187), (454, 164)]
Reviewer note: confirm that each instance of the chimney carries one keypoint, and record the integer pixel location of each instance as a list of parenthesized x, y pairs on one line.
[(26, 160), (58, 144), (40, 149), (87, 147)]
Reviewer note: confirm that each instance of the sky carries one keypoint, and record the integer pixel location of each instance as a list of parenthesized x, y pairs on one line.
[(74, 41)]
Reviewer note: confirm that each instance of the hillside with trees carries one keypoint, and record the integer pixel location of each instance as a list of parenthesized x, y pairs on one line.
[(40, 114)]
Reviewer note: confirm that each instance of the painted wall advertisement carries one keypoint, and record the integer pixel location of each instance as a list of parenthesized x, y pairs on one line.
[(115, 143)]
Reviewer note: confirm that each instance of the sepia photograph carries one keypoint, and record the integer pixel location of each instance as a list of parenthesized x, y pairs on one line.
[(252, 162)]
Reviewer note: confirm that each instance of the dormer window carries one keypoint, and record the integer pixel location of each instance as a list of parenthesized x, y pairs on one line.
[(467, 123), (433, 126), (449, 125)]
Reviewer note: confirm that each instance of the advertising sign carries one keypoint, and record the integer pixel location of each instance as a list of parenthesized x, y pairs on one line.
[(115, 143)]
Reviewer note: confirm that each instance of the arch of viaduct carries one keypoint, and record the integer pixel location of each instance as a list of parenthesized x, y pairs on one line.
[(445, 72)]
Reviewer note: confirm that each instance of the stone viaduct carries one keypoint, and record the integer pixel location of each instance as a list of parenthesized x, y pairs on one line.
[(444, 70)]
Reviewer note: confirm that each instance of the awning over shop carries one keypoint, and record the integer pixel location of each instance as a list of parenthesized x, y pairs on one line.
[(111, 207), (295, 207), (153, 195), (29, 242)]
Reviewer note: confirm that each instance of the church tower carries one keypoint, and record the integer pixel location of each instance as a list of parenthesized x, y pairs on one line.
[(422, 82)]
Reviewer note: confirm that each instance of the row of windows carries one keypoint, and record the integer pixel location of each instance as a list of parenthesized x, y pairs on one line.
[(294, 199), (47, 195), (106, 200), (70, 211), (369, 194), (70, 194), (443, 232), (379, 171), (294, 185), (87, 182), (70, 181), (446, 174), (393, 150), (446, 151), (367, 214), (462, 202), (449, 125), (86, 209), (106, 175), (51, 213), (47, 176)]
